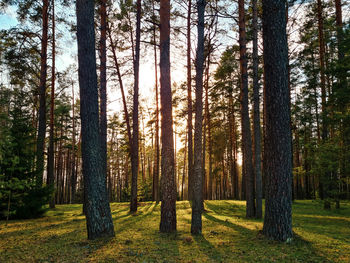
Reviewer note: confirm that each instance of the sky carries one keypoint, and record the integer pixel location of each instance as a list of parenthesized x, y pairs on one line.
[(67, 55)]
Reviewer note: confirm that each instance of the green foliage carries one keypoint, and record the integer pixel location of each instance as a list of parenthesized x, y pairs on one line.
[(22, 199), (324, 166), (126, 193), (145, 190), (19, 197)]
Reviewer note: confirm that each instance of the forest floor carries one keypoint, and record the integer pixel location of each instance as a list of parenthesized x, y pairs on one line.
[(60, 236)]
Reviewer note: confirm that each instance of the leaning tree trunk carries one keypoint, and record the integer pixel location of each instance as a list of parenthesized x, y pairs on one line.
[(40, 144), (51, 152), (168, 184), (246, 133), (97, 210), (256, 115), (135, 115), (121, 85), (197, 200), (278, 205)]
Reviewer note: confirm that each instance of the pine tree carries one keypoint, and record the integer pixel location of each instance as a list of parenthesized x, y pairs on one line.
[(168, 184), (97, 210), (278, 204)]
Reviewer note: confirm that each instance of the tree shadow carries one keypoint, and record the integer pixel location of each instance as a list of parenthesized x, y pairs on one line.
[(228, 209), (257, 238), (208, 248), (229, 224)]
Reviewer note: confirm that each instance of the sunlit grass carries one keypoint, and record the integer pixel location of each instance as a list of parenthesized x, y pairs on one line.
[(60, 236)]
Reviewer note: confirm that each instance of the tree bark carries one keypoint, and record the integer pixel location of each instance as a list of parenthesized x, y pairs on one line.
[(197, 198), (168, 184), (256, 115), (156, 157), (97, 209), (135, 115), (189, 104), (40, 144), (324, 130), (51, 151), (184, 170), (206, 126), (278, 204), (210, 144), (339, 22), (103, 84), (246, 133), (74, 169), (322, 68)]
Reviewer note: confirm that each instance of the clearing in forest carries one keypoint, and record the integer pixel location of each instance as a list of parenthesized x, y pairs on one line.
[(60, 236)]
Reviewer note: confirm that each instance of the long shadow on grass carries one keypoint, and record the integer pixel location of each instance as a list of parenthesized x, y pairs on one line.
[(31, 226), (130, 219), (227, 209), (69, 246), (240, 229), (298, 243), (208, 248), (334, 228)]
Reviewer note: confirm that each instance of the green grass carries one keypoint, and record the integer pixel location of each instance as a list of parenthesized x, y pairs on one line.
[(60, 236)]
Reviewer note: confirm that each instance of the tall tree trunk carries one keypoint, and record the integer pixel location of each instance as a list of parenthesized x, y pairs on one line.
[(256, 115), (59, 161), (235, 151), (206, 121), (168, 206), (184, 170), (222, 186), (322, 67), (323, 83), (246, 133), (204, 181), (290, 95), (51, 151), (42, 98), (197, 199), (341, 79), (103, 84), (278, 205), (97, 209), (232, 154), (210, 143), (189, 104), (339, 22), (175, 164), (74, 168), (135, 115), (156, 157), (297, 165)]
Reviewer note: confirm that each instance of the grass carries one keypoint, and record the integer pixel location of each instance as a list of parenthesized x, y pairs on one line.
[(60, 236)]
